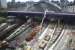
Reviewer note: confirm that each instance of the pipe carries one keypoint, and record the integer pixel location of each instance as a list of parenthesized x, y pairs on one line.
[(3, 26), (6, 32), (17, 32)]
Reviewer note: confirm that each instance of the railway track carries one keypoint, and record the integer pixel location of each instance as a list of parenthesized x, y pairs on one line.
[(53, 34)]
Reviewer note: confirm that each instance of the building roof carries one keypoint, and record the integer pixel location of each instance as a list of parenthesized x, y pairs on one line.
[(41, 6)]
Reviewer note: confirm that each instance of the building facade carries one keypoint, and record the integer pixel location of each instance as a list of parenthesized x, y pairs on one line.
[(63, 3), (71, 8), (13, 1), (3, 4), (45, 0)]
